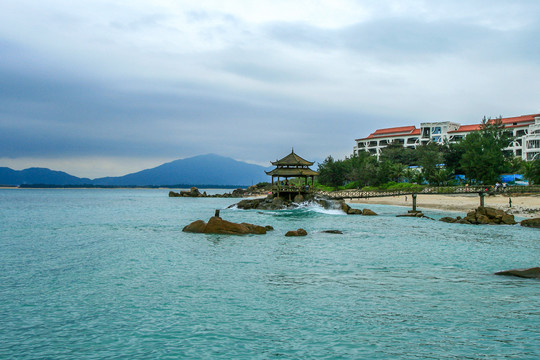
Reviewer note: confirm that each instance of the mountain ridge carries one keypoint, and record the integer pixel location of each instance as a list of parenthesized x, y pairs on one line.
[(208, 169)]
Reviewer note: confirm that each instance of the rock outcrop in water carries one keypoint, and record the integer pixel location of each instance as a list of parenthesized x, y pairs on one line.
[(299, 232), (483, 215), (272, 202), (534, 223), (217, 225), (253, 190), (194, 192), (531, 273)]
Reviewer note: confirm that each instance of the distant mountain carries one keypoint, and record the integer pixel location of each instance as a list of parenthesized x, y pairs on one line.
[(208, 169), (199, 170), (39, 176)]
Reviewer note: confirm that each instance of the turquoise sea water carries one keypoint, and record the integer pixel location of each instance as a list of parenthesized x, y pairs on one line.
[(92, 274)]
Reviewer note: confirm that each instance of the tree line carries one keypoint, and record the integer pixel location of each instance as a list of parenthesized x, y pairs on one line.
[(480, 157)]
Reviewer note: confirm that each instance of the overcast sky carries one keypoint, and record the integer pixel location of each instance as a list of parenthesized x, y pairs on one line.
[(107, 87)]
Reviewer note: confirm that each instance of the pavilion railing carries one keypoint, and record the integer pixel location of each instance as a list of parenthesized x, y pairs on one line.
[(291, 188)]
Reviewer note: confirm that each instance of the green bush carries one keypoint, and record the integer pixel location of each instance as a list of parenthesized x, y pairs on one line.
[(393, 186), (351, 185)]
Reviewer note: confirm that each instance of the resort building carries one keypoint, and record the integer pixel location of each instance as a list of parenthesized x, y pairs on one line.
[(525, 130)]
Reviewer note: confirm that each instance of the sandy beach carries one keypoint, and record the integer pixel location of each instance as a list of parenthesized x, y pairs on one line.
[(522, 206)]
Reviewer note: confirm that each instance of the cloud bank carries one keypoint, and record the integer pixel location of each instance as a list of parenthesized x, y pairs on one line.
[(121, 85)]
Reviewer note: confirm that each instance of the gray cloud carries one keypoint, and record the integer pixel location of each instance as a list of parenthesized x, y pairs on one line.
[(169, 83)]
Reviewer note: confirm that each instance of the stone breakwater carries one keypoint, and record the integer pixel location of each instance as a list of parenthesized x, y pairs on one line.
[(483, 216)]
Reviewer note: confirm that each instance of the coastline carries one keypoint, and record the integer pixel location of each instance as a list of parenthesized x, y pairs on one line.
[(526, 206)]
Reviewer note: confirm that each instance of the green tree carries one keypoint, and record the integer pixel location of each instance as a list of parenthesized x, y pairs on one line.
[(430, 157), (531, 171), (331, 172), (452, 154), (483, 158), (399, 154)]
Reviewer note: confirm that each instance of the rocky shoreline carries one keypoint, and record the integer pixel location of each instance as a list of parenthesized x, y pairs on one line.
[(237, 193), (273, 202)]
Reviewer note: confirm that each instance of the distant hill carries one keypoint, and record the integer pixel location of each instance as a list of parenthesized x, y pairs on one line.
[(39, 176), (200, 170)]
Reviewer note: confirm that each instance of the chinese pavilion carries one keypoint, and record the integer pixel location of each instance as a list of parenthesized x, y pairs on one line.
[(292, 166)]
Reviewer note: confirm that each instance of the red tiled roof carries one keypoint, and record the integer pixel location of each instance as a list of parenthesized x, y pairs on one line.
[(465, 128), (510, 122), (395, 131), (518, 119), (401, 129)]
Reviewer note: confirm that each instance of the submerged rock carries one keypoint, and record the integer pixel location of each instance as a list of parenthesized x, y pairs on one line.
[(299, 232), (339, 232), (217, 225), (531, 273)]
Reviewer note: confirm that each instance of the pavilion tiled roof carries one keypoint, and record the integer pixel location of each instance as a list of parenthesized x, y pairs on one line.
[(292, 172), (292, 160)]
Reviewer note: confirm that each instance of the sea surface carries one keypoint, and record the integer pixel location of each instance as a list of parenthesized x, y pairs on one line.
[(109, 274)]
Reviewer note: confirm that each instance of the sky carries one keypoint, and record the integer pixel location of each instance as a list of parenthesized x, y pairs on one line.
[(108, 87)]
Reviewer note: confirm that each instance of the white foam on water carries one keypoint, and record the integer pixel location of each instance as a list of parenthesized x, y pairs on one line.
[(315, 207)]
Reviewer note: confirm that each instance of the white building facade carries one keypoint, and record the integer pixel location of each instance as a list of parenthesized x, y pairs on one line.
[(525, 129)]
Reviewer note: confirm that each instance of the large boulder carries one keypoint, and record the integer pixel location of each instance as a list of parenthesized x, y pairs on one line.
[(255, 229), (350, 211), (217, 225), (195, 227), (534, 223), (508, 219), (532, 273)]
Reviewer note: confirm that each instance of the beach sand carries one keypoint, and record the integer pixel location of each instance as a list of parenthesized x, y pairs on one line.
[(522, 206)]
